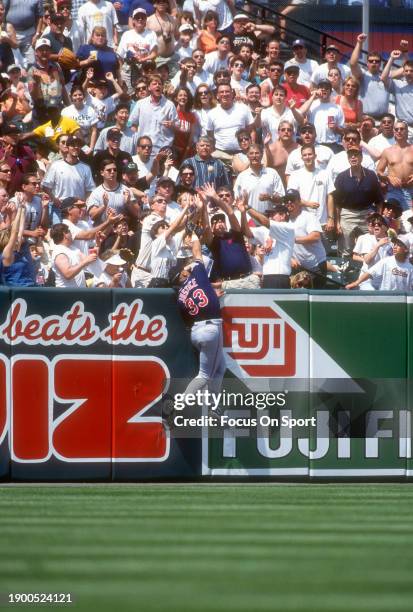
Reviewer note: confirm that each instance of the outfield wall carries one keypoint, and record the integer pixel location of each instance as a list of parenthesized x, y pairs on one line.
[(82, 374)]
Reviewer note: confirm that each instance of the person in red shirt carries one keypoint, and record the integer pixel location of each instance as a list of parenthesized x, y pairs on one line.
[(296, 92), (185, 129)]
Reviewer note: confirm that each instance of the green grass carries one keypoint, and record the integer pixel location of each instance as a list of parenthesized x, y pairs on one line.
[(211, 547)]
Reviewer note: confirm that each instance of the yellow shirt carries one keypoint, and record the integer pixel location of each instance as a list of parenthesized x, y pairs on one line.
[(65, 126)]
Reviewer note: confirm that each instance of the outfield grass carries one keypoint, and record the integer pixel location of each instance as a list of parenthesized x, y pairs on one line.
[(211, 547)]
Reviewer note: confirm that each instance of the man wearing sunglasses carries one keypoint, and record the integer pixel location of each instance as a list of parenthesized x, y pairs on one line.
[(373, 93), (308, 136)]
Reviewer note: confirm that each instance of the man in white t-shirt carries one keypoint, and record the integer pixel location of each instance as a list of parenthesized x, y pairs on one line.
[(223, 122), (262, 185), (327, 118), (307, 66), (136, 47), (385, 139), (278, 237), (394, 273), (272, 116), (98, 13), (311, 183), (331, 56), (323, 154), (68, 262), (309, 253), (219, 59), (372, 246), (68, 176), (83, 233)]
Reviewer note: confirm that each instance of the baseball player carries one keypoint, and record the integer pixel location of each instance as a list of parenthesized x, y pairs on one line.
[(200, 308)]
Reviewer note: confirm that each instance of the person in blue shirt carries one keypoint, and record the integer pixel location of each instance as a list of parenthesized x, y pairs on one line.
[(16, 263)]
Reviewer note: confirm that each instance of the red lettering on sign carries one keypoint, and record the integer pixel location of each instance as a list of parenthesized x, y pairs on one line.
[(84, 432), (30, 416), (136, 386), (3, 399)]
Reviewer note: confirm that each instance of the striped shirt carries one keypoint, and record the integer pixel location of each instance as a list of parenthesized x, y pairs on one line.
[(208, 171)]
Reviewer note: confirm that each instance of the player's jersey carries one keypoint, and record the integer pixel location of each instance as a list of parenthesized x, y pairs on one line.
[(197, 299)]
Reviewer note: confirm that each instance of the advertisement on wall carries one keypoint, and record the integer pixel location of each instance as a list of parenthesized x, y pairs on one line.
[(317, 386)]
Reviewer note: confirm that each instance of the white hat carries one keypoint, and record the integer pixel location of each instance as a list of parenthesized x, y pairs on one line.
[(185, 27), (139, 11), (13, 67), (42, 42), (240, 16), (115, 260)]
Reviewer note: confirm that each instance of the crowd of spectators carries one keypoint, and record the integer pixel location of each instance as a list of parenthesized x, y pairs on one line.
[(129, 127)]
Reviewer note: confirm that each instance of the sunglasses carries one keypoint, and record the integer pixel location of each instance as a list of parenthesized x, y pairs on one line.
[(148, 146), (238, 65), (375, 61), (399, 129), (143, 88), (275, 69), (187, 174)]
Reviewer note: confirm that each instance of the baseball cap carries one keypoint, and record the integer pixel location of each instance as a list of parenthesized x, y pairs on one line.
[(60, 3), (139, 11), (298, 42), (114, 134), (130, 167), (68, 203), (218, 217), (333, 48), (394, 205), (240, 16), (292, 68), (115, 260), (306, 127), (354, 150), (400, 242), (291, 195), (42, 42), (13, 67), (185, 27)]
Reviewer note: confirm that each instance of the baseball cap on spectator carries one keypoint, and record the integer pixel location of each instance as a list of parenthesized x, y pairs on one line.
[(114, 134), (298, 42), (114, 260), (393, 205), (277, 208), (74, 140), (42, 42), (68, 203), (324, 84), (218, 217), (400, 241), (186, 27), (139, 11), (241, 16), (332, 48), (130, 168), (60, 3), (354, 150), (13, 67), (291, 195), (307, 127), (292, 68)]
